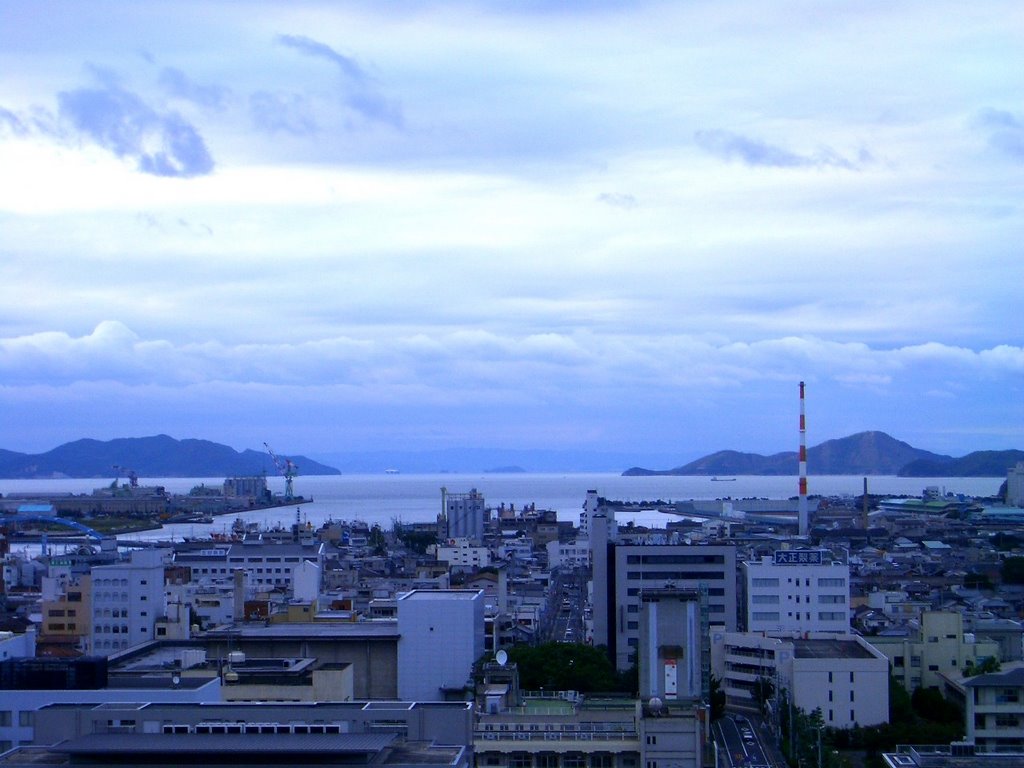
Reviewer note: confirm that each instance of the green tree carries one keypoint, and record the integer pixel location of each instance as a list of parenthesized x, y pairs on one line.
[(983, 667), (564, 667)]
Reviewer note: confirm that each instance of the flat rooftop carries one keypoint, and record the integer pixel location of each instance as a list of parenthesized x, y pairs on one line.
[(441, 594), (830, 649)]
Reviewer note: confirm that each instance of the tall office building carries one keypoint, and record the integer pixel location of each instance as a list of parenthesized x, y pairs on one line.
[(622, 572), (672, 662)]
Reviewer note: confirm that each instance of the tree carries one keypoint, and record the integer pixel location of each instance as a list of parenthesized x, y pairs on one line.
[(763, 691), (564, 667), (717, 698), (983, 667), (1013, 570)]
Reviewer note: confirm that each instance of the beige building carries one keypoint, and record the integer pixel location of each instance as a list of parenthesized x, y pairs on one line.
[(938, 647), (995, 710)]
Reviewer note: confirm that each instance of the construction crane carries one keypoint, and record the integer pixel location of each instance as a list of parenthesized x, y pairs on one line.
[(287, 468)]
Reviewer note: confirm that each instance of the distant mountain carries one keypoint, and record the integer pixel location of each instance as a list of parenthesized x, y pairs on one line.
[(159, 456), (866, 453), (977, 464)]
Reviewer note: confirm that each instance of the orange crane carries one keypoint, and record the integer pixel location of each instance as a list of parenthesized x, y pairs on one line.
[(287, 468)]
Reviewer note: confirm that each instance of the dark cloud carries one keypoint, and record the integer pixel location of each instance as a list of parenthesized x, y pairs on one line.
[(359, 92), (177, 84), (162, 143), (281, 113), (733, 146), (1005, 131)]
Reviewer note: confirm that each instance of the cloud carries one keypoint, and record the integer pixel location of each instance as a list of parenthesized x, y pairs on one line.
[(177, 84), (1005, 132), (10, 122), (734, 146), (281, 113), (359, 91), (617, 200), (161, 143)]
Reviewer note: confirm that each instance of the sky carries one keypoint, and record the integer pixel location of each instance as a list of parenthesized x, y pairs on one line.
[(636, 226)]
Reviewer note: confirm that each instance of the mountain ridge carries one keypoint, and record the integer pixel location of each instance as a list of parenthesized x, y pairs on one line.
[(863, 453), (155, 456)]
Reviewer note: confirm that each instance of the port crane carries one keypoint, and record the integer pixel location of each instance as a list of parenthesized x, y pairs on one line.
[(287, 468)]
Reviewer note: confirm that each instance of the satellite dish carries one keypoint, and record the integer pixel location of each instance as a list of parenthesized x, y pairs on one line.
[(501, 657)]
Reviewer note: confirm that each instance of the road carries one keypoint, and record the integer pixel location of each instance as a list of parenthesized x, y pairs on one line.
[(739, 744)]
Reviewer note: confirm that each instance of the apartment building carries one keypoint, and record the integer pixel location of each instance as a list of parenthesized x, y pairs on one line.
[(127, 599)]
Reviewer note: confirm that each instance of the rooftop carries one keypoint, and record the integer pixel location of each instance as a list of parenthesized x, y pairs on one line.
[(830, 649)]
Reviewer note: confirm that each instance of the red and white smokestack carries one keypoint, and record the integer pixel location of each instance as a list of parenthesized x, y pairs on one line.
[(802, 517)]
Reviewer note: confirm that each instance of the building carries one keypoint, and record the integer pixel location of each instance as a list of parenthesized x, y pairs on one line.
[(441, 637), (672, 663), (465, 514), (461, 554), (1015, 486), (127, 600), (936, 647), (842, 675), (386, 734), (622, 572), (995, 710), (797, 590), (268, 564), (567, 555)]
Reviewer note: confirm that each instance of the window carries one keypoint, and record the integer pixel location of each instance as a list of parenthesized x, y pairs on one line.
[(574, 760), (832, 599), (897, 661), (915, 661), (26, 719), (831, 582), (851, 696), (519, 760), (652, 739), (764, 582), (601, 760), (1007, 721), (5, 719), (765, 615), (764, 599), (830, 677), (547, 760), (933, 667)]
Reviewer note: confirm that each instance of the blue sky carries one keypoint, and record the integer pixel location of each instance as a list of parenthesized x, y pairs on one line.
[(624, 226)]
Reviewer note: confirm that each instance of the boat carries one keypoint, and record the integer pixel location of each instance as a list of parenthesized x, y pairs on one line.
[(390, 471), (723, 479)]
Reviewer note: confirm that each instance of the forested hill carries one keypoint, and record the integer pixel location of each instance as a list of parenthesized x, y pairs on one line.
[(159, 456), (866, 453)]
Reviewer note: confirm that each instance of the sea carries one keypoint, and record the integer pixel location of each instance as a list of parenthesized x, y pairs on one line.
[(409, 498)]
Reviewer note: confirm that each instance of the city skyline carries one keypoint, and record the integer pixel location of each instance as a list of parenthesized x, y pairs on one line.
[(631, 227)]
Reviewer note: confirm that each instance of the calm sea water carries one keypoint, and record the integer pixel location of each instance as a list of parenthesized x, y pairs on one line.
[(417, 498)]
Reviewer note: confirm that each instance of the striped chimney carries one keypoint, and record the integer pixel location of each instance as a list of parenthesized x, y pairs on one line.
[(802, 517)]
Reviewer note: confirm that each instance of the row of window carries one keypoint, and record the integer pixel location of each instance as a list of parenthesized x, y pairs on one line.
[(675, 575), (775, 615), (825, 581), (675, 559)]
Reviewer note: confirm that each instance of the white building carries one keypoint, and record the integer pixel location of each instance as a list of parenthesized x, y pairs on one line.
[(841, 674), (566, 555), (127, 599), (461, 553), (268, 564), (441, 637), (797, 590), (592, 506), (1015, 486), (995, 709)]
